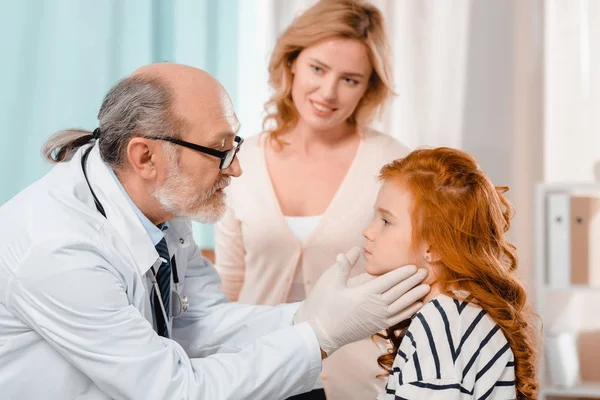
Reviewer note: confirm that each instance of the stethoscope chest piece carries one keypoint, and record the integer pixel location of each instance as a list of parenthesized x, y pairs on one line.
[(179, 303)]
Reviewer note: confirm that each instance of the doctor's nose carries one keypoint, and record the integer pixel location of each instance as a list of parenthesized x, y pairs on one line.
[(235, 169)]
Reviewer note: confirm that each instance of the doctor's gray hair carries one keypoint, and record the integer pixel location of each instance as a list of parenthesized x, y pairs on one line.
[(136, 106)]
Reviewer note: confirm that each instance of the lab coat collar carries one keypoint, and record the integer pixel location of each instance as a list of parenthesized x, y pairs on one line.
[(119, 212), (156, 234)]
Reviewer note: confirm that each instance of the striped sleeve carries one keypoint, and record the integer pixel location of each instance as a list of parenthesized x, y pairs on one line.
[(430, 389), (421, 367)]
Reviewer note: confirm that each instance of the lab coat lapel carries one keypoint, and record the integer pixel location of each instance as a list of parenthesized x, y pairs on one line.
[(119, 212)]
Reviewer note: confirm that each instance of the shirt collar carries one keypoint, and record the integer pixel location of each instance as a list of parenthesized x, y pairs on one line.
[(156, 234)]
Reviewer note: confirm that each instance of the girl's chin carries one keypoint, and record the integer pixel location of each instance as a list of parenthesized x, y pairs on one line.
[(373, 270)]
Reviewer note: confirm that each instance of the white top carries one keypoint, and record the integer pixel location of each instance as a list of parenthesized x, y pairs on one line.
[(76, 320), (452, 350), (301, 227)]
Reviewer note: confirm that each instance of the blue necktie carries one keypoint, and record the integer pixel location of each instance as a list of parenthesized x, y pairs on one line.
[(163, 278)]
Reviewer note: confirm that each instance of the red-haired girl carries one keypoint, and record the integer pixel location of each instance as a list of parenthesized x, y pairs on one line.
[(474, 337)]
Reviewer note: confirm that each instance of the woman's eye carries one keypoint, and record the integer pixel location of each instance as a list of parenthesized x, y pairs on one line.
[(351, 81), (317, 68)]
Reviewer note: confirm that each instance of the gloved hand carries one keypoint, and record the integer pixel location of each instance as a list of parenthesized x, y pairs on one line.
[(340, 314)]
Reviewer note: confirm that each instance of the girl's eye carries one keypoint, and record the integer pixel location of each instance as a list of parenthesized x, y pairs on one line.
[(317, 69), (385, 221)]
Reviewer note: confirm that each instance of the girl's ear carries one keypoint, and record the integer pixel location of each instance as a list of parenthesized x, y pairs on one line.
[(430, 255)]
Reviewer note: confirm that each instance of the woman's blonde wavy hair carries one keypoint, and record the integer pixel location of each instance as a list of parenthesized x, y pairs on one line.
[(464, 218), (351, 19)]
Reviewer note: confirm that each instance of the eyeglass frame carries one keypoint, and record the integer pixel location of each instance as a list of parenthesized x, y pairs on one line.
[(206, 150)]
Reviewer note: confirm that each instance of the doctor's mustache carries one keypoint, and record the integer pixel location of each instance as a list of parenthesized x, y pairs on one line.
[(222, 184)]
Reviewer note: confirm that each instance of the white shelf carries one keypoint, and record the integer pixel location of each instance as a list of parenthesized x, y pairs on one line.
[(588, 390), (572, 288), (570, 187), (584, 390)]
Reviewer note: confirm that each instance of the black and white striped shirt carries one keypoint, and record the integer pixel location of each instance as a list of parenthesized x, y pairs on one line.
[(452, 350)]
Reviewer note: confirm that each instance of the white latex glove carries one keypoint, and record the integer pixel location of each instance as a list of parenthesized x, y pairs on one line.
[(340, 314)]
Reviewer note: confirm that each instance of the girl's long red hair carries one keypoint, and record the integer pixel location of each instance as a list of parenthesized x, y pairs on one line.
[(464, 218)]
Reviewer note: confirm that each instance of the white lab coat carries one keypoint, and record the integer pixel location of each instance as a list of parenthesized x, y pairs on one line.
[(76, 321)]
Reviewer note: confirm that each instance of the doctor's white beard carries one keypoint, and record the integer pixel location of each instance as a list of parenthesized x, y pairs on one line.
[(180, 197)]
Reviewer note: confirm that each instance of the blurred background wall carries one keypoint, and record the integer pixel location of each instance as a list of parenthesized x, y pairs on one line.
[(514, 82)]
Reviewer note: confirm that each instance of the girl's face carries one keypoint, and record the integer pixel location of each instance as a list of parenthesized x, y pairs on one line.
[(330, 79), (389, 243)]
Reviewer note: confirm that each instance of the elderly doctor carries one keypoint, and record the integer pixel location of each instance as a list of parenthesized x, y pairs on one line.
[(103, 292)]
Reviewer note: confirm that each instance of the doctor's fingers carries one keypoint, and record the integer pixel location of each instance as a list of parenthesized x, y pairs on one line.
[(398, 290), (405, 314), (412, 296), (360, 279), (385, 282)]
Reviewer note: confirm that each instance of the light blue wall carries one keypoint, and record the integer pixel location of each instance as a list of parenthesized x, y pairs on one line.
[(60, 57), (205, 36), (58, 60)]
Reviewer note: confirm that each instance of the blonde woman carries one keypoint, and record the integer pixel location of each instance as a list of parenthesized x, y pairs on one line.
[(310, 179)]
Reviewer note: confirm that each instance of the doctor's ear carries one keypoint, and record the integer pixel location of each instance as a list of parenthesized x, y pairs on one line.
[(142, 156)]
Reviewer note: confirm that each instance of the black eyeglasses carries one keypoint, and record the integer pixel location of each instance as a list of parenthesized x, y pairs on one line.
[(226, 157)]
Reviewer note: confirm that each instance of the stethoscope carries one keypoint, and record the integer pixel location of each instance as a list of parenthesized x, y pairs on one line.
[(179, 302)]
